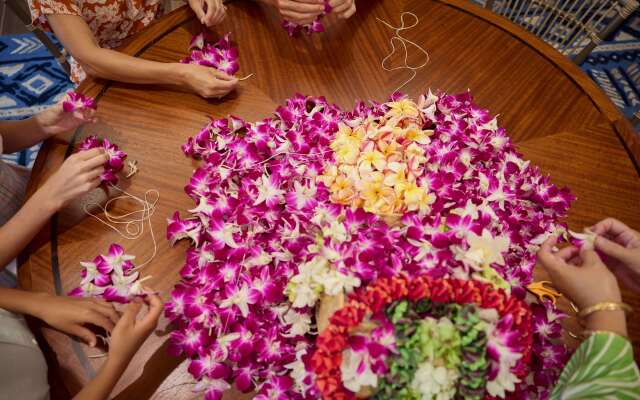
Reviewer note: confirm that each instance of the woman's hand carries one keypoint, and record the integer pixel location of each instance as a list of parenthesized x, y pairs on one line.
[(207, 82), (301, 12), (621, 245), (209, 12), (78, 175), (54, 120), (71, 315), (579, 274), (129, 333), (343, 8)]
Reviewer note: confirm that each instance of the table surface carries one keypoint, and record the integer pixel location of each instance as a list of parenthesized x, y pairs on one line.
[(559, 119)]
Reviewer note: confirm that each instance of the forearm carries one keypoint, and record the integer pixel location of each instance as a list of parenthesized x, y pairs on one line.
[(116, 66), (16, 234), (21, 134), (20, 301), (101, 386)]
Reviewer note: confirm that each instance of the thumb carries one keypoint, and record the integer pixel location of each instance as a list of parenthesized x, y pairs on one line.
[(131, 312), (611, 249), (84, 334), (589, 257)]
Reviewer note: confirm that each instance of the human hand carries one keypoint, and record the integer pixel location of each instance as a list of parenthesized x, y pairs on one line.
[(129, 333), (301, 12), (621, 245), (579, 274), (207, 82), (343, 8), (79, 174), (71, 315), (209, 12), (55, 120)]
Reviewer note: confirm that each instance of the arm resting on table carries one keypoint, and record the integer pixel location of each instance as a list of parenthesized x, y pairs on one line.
[(77, 38)]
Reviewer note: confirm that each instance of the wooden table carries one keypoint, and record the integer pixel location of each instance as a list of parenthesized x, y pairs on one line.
[(555, 114)]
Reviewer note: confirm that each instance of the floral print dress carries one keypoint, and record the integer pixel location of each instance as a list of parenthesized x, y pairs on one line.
[(111, 21)]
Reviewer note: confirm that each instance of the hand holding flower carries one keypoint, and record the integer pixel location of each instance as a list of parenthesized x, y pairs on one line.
[(71, 315), (579, 274), (78, 175), (343, 8), (129, 334), (55, 120), (621, 245), (207, 82), (209, 12), (300, 11)]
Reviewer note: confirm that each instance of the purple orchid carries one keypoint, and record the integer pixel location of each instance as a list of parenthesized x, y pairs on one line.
[(77, 101), (115, 161)]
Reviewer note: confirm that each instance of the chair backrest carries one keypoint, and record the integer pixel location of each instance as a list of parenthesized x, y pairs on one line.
[(573, 27)]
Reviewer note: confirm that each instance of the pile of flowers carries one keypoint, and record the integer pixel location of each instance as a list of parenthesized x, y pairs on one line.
[(415, 338), (77, 101), (220, 55), (314, 27), (296, 211), (111, 276), (116, 157)]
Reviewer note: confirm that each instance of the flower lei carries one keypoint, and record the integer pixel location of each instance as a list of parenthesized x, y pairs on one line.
[(116, 157), (77, 101), (221, 55), (370, 300), (279, 224), (111, 276), (315, 26)]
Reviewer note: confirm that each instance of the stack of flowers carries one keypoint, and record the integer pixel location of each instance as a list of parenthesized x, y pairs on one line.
[(314, 27), (115, 161), (111, 277), (317, 203), (221, 55)]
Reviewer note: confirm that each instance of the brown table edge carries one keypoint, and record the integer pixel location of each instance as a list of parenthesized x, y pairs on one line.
[(623, 128)]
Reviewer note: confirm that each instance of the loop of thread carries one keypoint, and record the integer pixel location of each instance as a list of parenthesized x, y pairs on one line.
[(404, 42), (134, 221)]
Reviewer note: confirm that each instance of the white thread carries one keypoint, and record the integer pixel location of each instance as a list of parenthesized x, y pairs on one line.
[(404, 41), (246, 77), (133, 226)]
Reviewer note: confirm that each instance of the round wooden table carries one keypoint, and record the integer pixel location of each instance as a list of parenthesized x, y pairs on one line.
[(557, 116)]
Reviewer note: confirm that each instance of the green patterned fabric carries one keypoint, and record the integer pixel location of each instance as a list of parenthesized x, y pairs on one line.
[(601, 368)]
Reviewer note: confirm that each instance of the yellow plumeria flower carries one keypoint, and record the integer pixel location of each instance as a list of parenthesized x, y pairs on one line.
[(372, 158), (403, 108), (329, 175), (397, 174), (417, 135)]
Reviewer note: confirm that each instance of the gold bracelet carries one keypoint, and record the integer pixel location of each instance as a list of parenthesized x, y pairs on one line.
[(605, 306)]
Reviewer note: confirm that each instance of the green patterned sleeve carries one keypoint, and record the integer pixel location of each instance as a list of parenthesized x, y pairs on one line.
[(601, 368)]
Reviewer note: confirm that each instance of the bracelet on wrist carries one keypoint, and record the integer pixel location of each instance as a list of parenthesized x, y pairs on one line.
[(604, 306)]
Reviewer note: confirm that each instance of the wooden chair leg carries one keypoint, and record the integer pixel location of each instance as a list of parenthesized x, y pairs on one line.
[(22, 12)]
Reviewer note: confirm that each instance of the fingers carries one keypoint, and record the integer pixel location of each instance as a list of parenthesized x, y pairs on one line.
[(88, 154), (349, 13), (96, 318), (131, 312), (589, 257), (568, 253), (150, 321), (301, 11), (299, 18), (83, 334), (611, 248), (341, 6), (214, 14), (95, 162), (610, 226), (198, 8), (106, 309), (547, 257), (223, 76)]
